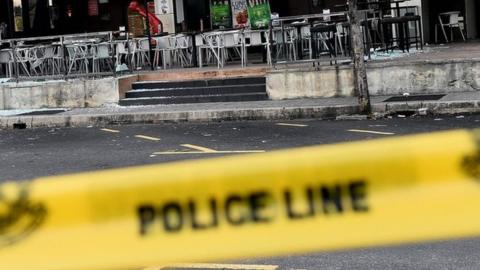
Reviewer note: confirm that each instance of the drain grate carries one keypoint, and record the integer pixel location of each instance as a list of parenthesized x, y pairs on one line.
[(415, 98), (44, 112)]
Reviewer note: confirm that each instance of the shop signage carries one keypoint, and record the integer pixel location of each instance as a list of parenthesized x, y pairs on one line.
[(220, 13), (240, 13), (92, 8), (259, 13)]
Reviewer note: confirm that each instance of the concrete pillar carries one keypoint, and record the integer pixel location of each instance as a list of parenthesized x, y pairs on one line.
[(426, 20), (471, 18)]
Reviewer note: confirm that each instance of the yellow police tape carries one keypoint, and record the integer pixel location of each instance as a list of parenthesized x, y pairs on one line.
[(392, 191)]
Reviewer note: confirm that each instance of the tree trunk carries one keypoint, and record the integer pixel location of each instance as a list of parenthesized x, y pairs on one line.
[(358, 52)]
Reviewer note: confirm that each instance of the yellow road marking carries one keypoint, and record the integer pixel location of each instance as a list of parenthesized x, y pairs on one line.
[(214, 152), (208, 266), (291, 125), (110, 130), (147, 138), (371, 132), (199, 148)]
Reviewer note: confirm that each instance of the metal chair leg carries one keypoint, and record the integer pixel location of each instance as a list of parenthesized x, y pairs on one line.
[(443, 29), (461, 32)]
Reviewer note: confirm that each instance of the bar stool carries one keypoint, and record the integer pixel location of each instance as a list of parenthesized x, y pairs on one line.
[(322, 44), (418, 37), (402, 31)]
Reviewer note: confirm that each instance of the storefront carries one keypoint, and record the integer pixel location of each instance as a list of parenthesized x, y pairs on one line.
[(192, 14), (469, 10), (26, 18)]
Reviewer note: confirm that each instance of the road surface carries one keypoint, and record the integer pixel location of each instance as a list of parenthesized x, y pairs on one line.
[(27, 154)]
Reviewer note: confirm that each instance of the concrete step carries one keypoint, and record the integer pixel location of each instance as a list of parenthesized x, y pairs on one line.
[(194, 99), (198, 83), (195, 91)]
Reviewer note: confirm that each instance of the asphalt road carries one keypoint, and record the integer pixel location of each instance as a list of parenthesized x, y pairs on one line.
[(29, 154)]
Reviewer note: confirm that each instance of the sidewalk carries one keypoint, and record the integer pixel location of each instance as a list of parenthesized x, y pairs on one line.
[(327, 108)]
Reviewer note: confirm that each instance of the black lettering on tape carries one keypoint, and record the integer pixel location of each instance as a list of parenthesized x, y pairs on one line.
[(358, 196), (234, 202), (258, 202), (146, 215), (252, 207), (196, 224), (471, 165), (292, 214), (214, 210), (172, 217), (332, 199)]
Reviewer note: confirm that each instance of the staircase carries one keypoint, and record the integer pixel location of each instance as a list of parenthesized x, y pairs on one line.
[(196, 91)]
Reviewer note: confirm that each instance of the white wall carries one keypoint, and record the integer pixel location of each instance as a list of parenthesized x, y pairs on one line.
[(180, 11), (164, 11)]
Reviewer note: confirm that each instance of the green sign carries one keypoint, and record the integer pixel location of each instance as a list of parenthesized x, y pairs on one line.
[(221, 15), (259, 13)]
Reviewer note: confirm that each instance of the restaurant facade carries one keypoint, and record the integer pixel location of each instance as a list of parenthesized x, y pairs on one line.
[(428, 9), (27, 18)]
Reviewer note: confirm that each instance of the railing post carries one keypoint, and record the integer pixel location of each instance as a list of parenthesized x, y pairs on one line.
[(129, 52), (15, 63), (65, 58), (270, 43)]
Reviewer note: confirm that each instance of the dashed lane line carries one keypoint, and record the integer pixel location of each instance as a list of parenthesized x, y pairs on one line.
[(371, 132), (291, 125), (149, 138), (110, 130), (208, 266), (216, 152), (199, 148)]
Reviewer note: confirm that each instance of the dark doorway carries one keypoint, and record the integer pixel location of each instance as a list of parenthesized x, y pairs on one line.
[(281, 7), (30, 17), (39, 17), (440, 6), (72, 16), (5, 16), (477, 12), (196, 10)]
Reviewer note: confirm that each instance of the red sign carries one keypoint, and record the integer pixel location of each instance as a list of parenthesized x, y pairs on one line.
[(92, 7)]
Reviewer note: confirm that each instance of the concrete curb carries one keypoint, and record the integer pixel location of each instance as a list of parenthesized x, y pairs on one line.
[(280, 113), (320, 112), (435, 108)]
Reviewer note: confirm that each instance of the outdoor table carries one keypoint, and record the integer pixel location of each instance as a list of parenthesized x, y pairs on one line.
[(396, 2)]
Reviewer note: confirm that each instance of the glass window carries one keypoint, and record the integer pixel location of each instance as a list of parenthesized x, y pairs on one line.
[(18, 15), (32, 6)]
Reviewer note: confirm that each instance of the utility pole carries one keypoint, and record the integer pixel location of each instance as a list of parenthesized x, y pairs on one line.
[(358, 52)]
